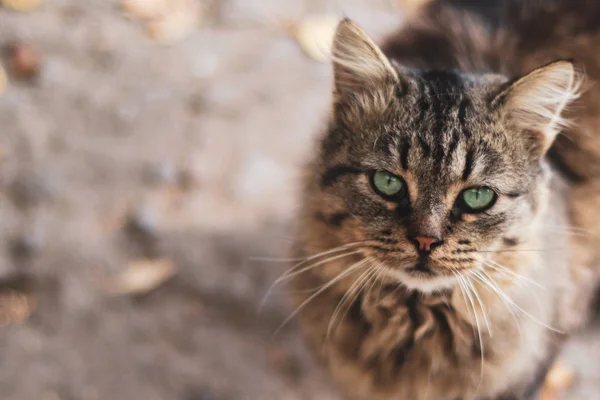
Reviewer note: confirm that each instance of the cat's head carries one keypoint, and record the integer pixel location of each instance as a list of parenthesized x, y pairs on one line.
[(435, 170)]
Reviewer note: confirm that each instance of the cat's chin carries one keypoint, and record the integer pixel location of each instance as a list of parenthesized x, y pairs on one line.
[(425, 282)]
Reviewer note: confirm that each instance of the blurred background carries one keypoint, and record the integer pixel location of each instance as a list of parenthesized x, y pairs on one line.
[(149, 160)]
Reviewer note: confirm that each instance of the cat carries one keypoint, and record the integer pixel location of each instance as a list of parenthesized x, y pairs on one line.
[(448, 225)]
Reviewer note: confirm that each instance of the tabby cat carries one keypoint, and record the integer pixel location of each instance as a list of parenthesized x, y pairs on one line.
[(449, 226)]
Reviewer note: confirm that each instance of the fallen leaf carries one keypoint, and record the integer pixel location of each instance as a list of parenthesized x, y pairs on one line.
[(142, 276), (17, 299), (315, 35), (547, 394), (165, 20), (24, 60), (144, 9), (21, 5), (15, 308), (3, 80), (175, 26), (412, 5), (559, 379)]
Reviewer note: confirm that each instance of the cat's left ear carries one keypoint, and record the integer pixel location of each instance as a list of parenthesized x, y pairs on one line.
[(363, 75), (534, 104)]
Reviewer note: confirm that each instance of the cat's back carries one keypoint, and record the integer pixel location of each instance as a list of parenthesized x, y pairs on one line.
[(498, 35), (514, 37)]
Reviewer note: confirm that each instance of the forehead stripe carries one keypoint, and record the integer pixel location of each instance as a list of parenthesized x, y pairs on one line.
[(468, 164), (453, 145), (424, 146), (459, 129), (404, 148), (423, 103)]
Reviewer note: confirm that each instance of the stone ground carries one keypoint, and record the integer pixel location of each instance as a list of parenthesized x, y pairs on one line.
[(122, 150)]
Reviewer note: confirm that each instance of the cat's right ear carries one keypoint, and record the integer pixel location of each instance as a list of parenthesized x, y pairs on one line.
[(363, 75), (534, 104)]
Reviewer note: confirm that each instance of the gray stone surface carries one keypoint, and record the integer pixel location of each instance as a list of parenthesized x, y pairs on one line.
[(124, 149)]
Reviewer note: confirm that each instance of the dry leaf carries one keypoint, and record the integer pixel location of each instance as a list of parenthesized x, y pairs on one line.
[(315, 35), (547, 394), (3, 80), (21, 5), (15, 307), (144, 9), (24, 60), (174, 27), (142, 276), (412, 5), (559, 379), (165, 20)]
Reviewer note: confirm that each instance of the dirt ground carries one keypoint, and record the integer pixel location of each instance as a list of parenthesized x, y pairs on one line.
[(123, 150)]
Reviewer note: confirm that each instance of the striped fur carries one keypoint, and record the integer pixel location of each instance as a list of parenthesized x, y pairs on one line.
[(437, 108)]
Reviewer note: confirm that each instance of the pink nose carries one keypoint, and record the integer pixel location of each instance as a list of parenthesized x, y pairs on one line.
[(426, 243)]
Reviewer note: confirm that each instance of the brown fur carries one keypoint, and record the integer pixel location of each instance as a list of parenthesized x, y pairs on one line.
[(459, 100)]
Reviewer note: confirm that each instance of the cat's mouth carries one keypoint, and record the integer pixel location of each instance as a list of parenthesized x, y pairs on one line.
[(422, 276), (421, 269)]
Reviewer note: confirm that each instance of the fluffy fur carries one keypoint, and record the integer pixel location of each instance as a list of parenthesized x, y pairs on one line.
[(483, 315), (536, 102)]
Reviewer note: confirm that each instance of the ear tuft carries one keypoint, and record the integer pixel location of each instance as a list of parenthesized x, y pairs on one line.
[(358, 64), (535, 102)]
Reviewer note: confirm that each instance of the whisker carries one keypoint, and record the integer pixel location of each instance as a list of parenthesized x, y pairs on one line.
[(506, 304), (518, 250), (332, 282), (460, 282), (519, 279), (481, 349), (377, 276), (313, 290), (499, 267), (495, 270), (276, 260), (567, 227), (481, 307), (566, 233), (371, 277), (380, 274), (291, 273), (501, 293), (355, 285), (344, 246)]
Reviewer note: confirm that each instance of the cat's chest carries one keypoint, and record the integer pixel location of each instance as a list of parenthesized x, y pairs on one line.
[(406, 327), (405, 341)]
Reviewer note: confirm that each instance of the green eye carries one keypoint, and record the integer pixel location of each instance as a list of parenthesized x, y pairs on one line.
[(478, 198), (388, 185)]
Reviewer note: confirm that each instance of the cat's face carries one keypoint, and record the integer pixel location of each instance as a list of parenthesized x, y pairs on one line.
[(436, 171)]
